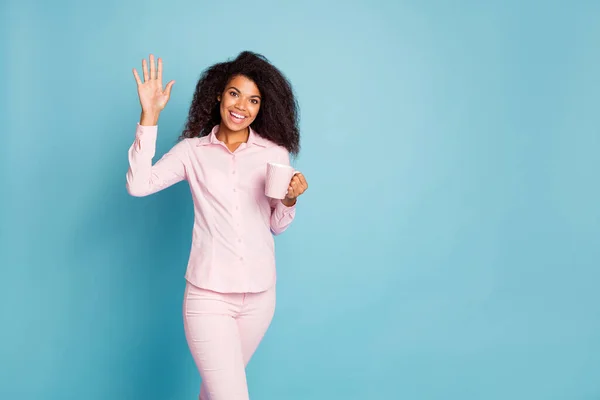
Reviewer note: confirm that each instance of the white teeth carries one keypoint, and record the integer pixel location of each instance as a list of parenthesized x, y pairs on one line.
[(237, 115)]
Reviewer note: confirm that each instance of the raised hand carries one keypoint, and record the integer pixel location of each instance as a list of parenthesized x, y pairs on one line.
[(153, 97)]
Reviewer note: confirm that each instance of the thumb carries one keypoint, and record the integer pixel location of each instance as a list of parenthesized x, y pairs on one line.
[(168, 88)]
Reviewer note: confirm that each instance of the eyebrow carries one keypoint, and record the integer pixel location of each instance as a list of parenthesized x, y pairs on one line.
[(239, 91)]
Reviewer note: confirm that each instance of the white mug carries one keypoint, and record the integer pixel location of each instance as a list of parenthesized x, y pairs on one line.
[(278, 180)]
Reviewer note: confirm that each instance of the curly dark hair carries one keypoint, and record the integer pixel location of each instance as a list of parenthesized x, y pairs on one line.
[(278, 116)]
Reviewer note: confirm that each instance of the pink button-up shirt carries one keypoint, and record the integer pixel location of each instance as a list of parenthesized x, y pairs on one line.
[(234, 222)]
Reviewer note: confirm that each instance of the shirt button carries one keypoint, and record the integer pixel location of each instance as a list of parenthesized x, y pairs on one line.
[(234, 189), (233, 172), (241, 258)]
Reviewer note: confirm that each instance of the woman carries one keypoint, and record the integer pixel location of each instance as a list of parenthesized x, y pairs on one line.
[(243, 115)]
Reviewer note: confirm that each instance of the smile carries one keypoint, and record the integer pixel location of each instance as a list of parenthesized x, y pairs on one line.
[(237, 117)]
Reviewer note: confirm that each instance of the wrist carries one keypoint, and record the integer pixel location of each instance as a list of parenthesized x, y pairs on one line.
[(288, 202), (149, 118)]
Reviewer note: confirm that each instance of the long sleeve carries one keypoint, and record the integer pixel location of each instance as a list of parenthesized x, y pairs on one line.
[(281, 215), (142, 177)]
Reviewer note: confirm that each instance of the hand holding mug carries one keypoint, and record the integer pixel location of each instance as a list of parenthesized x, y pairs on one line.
[(297, 186), (284, 183)]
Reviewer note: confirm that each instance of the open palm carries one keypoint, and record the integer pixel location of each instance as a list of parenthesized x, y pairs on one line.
[(153, 97)]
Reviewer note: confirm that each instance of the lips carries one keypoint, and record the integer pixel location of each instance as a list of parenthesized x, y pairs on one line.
[(237, 118)]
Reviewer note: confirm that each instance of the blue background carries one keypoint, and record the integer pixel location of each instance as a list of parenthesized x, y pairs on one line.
[(448, 246)]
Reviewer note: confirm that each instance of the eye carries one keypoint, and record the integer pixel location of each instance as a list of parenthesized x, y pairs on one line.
[(254, 101), (232, 93)]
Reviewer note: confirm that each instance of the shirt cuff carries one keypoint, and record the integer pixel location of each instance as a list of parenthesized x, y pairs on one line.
[(146, 131), (145, 139), (282, 209)]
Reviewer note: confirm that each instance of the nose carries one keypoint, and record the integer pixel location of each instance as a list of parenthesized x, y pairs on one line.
[(239, 104)]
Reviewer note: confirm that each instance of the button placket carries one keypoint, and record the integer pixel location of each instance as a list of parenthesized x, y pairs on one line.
[(236, 205)]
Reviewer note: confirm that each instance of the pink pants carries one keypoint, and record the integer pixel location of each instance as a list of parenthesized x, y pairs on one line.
[(223, 330)]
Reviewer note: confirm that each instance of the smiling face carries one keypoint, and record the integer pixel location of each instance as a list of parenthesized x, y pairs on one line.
[(239, 103)]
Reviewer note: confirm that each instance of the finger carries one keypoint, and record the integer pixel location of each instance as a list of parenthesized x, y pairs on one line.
[(302, 179), (168, 88), (160, 67), (145, 70), (152, 67), (137, 77)]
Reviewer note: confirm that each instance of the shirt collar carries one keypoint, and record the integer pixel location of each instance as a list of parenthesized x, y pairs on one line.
[(253, 138)]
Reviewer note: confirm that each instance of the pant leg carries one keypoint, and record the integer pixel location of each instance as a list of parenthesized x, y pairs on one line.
[(214, 341), (254, 320)]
